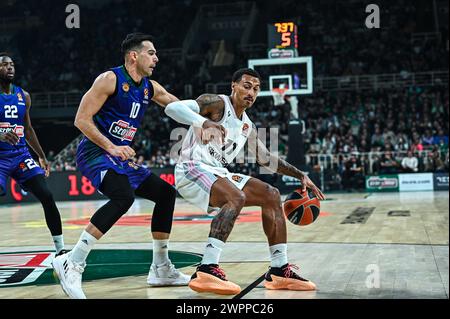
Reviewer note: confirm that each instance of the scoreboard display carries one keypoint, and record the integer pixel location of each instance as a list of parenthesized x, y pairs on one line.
[(282, 35), (70, 186)]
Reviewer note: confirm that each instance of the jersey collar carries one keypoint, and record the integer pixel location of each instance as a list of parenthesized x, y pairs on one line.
[(12, 89)]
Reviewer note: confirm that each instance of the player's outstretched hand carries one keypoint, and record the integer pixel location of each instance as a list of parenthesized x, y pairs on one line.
[(9, 137), (124, 152), (213, 131), (45, 166), (307, 183)]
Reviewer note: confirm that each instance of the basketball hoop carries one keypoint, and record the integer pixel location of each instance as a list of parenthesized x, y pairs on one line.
[(278, 95)]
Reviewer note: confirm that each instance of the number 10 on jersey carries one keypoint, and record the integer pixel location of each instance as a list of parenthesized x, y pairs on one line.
[(135, 107)]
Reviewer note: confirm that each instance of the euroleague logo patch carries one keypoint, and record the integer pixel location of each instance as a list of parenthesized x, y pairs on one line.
[(125, 87), (23, 268), (237, 178)]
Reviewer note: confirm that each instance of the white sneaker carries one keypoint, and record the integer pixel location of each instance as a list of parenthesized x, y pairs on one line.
[(166, 275), (69, 274)]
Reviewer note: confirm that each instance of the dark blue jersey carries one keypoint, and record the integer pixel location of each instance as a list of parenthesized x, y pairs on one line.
[(12, 118), (121, 115)]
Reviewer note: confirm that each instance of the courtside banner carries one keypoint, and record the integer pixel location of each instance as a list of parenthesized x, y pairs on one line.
[(416, 182), (382, 183), (440, 181), (287, 184), (69, 186)]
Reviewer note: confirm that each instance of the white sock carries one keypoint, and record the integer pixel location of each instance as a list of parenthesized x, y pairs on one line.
[(84, 245), (278, 255), (212, 251), (59, 243), (160, 251)]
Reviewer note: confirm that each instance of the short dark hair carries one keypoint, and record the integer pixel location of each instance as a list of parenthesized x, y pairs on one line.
[(237, 76), (134, 41), (2, 54)]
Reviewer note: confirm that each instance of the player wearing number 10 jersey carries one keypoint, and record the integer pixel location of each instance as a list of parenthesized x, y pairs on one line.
[(15, 158), (109, 117)]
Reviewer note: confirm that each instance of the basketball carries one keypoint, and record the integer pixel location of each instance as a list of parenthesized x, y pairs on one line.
[(301, 208)]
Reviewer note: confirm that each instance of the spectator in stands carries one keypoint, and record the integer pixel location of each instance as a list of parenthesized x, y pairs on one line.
[(427, 138), (402, 144), (377, 137), (410, 164), (443, 148), (353, 174), (388, 165), (416, 146), (440, 136), (435, 163), (68, 166)]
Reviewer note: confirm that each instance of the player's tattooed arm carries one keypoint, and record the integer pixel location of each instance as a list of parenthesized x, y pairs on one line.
[(161, 96), (212, 107), (32, 138), (277, 165), (91, 103)]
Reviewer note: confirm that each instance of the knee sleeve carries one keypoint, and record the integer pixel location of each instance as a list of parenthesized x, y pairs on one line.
[(118, 189), (164, 196)]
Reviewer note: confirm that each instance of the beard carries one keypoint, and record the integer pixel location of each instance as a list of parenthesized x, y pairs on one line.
[(5, 79)]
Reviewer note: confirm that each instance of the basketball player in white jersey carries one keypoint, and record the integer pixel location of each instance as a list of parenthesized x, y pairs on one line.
[(203, 180)]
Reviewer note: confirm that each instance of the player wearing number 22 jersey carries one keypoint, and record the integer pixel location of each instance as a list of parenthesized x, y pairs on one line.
[(15, 158)]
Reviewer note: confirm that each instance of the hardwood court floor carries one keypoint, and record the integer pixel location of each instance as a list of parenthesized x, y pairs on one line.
[(383, 245)]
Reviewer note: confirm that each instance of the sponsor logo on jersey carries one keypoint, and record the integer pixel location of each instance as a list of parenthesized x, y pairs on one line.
[(19, 97), (6, 127), (217, 156), (146, 94), (125, 87), (122, 130)]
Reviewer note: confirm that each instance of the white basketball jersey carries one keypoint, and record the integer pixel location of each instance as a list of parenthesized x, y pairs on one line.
[(213, 154)]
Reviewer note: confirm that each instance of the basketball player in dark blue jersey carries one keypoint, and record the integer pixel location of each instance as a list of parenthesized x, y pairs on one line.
[(109, 116), (15, 159)]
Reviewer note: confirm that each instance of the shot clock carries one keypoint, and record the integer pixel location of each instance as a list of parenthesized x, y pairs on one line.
[(282, 40)]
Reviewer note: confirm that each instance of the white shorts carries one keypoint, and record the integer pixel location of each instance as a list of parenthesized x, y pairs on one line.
[(194, 181)]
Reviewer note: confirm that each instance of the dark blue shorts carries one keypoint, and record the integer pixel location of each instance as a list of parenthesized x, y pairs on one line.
[(93, 162), (20, 166)]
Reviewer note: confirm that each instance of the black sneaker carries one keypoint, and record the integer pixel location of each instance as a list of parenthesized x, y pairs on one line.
[(211, 278), (286, 278), (211, 269)]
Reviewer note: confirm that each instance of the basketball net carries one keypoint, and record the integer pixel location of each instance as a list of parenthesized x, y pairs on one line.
[(278, 96)]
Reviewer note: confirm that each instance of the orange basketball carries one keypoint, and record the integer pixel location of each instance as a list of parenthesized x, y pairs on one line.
[(301, 208)]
